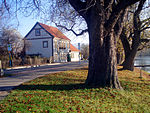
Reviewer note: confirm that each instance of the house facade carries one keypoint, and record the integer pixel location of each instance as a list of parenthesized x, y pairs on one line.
[(74, 53), (47, 41)]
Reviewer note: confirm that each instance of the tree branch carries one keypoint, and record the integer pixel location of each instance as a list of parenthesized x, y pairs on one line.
[(119, 26), (122, 4), (5, 4), (78, 5), (145, 40), (137, 22), (117, 10), (125, 41), (144, 45), (144, 29), (146, 23), (137, 25), (36, 4), (77, 34)]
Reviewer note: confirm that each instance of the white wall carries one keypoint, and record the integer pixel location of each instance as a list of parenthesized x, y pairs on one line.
[(75, 56), (36, 47)]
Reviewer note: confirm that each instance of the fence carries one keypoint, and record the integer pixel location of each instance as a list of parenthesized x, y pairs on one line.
[(26, 61), (141, 66)]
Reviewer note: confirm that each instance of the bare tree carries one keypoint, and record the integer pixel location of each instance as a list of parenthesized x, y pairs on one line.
[(13, 37), (133, 35)]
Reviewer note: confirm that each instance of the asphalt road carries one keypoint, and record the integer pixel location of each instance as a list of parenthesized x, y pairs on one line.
[(21, 75)]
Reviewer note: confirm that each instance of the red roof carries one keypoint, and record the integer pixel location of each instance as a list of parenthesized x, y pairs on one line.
[(72, 48), (54, 31)]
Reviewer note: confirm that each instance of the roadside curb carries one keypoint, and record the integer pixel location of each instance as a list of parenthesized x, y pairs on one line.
[(22, 67)]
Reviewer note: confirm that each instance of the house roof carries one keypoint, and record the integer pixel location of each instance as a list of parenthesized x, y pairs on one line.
[(54, 31), (72, 48)]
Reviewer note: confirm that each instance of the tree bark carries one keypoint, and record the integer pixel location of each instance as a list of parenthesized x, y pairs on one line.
[(102, 58), (102, 61), (128, 63)]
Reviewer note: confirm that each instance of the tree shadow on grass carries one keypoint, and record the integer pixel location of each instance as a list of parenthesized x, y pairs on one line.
[(58, 87)]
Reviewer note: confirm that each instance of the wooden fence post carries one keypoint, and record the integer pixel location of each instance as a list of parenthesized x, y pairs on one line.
[(141, 72)]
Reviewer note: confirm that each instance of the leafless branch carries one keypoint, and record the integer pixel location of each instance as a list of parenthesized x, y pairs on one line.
[(89, 5), (144, 29), (6, 6), (130, 36), (71, 29), (146, 22), (117, 10), (144, 45), (145, 40), (36, 4), (78, 7)]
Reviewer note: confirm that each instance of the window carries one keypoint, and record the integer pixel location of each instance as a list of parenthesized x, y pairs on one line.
[(37, 32), (45, 44)]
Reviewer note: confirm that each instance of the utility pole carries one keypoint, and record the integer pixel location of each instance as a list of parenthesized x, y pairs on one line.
[(10, 56)]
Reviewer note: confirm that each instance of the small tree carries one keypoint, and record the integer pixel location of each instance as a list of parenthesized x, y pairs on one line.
[(11, 36)]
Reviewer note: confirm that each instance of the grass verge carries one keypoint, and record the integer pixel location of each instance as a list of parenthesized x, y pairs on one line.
[(65, 92)]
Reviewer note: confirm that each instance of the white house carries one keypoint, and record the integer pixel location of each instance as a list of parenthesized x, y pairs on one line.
[(47, 41), (74, 53)]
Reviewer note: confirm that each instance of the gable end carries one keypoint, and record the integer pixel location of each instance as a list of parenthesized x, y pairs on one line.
[(40, 28)]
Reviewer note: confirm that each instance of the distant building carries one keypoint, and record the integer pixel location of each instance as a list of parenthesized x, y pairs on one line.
[(48, 41), (74, 53)]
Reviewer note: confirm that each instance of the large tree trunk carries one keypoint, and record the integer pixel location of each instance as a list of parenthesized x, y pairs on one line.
[(130, 53), (102, 59), (128, 63), (101, 17)]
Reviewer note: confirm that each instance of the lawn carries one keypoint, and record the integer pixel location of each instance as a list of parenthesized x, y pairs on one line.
[(65, 92)]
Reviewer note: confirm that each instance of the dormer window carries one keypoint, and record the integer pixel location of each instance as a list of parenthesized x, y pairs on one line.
[(37, 32)]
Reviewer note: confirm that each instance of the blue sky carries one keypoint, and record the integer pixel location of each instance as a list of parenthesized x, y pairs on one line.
[(26, 24)]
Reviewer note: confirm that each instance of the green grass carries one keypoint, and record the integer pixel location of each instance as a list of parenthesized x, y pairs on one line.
[(65, 92)]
